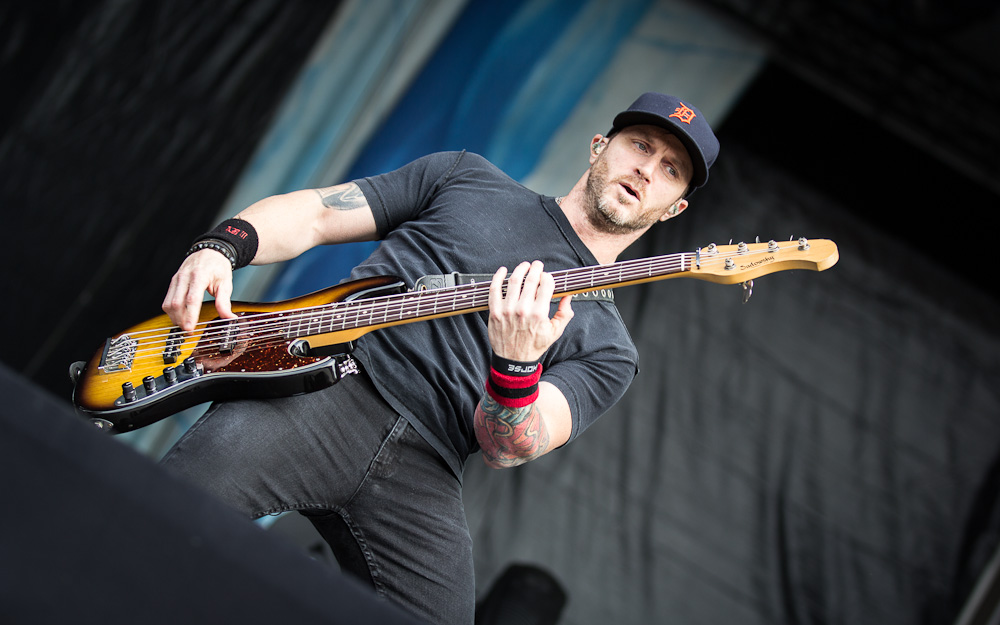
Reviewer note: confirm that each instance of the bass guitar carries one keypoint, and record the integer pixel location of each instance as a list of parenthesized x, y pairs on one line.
[(154, 369)]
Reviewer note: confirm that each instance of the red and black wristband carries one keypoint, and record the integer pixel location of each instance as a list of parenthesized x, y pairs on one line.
[(235, 239), (513, 383)]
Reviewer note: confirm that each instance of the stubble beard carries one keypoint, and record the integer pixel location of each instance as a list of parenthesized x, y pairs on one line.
[(602, 213)]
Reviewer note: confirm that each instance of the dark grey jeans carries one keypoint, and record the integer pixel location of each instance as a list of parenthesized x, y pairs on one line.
[(377, 492)]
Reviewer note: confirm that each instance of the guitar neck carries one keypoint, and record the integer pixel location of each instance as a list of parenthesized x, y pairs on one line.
[(726, 264), (434, 303)]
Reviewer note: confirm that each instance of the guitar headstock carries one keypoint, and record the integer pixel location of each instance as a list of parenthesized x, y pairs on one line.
[(732, 264)]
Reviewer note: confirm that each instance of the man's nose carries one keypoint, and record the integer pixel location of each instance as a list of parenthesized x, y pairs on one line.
[(645, 169)]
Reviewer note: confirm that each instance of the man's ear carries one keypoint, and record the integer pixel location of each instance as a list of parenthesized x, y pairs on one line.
[(596, 145), (675, 209)]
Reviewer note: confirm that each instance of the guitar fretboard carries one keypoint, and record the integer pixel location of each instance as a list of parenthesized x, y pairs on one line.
[(416, 305)]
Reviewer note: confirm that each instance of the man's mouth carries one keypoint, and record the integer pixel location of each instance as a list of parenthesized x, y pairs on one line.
[(630, 190)]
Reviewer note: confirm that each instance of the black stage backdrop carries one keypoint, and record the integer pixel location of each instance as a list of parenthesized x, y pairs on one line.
[(826, 453), (123, 127)]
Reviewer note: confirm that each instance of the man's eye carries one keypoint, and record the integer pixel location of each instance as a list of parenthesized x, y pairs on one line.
[(671, 171), (640, 145)]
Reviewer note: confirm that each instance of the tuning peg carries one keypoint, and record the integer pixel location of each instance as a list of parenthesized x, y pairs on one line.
[(747, 290)]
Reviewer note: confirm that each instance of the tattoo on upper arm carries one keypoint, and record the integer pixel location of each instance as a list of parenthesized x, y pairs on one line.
[(344, 197), (510, 436)]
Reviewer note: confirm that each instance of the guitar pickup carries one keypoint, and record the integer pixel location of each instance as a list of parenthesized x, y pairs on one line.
[(172, 349), (227, 339)]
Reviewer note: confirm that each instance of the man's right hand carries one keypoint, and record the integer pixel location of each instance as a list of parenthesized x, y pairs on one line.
[(287, 225), (206, 270)]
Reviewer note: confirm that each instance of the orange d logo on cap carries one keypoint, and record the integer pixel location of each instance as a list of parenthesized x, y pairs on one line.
[(683, 113)]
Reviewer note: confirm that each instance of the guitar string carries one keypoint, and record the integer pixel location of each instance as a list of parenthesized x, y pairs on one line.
[(574, 279), (417, 303), (342, 316), (374, 307), (423, 303), (347, 315)]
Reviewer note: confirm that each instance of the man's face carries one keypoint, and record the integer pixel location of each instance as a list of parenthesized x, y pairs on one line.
[(635, 179)]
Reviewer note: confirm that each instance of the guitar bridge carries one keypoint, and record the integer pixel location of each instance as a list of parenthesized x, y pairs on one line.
[(119, 352)]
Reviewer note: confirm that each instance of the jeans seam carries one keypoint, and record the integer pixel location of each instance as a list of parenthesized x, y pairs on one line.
[(394, 435), (359, 537), (294, 507), (398, 429)]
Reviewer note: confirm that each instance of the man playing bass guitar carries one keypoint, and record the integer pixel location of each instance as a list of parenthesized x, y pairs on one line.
[(375, 461)]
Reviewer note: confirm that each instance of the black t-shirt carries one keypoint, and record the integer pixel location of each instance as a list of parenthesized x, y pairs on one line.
[(456, 212)]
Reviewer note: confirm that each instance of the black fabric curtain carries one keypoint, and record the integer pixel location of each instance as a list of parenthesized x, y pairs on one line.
[(123, 127), (826, 453)]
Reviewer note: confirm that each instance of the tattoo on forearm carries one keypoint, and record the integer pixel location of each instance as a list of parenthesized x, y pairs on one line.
[(344, 197), (510, 436)]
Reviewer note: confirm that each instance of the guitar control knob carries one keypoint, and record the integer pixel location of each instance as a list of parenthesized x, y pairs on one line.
[(128, 392), (170, 376), (149, 383), (191, 366)]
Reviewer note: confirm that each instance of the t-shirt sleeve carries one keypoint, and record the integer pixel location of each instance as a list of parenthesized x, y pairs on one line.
[(400, 195), (602, 364)]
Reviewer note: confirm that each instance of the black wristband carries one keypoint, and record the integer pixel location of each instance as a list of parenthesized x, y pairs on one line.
[(513, 383), (512, 367), (238, 234)]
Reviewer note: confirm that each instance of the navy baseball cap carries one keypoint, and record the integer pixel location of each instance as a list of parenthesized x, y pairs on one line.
[(681, 119)]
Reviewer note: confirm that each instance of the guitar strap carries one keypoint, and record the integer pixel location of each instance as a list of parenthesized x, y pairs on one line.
[(440, 281)]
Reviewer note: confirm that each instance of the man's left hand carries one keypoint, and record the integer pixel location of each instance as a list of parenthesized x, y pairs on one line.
[(519, 323)]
